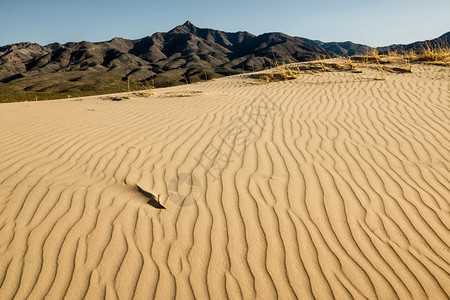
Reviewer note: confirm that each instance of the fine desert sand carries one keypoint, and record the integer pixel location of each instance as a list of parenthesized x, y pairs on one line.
[(330, 185)]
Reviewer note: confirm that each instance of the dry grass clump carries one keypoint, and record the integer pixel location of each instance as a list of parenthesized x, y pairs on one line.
[(267, 77), (373, 56), (392, 61), (380, 71), (148, 89), (188, 92), (280, 73), (348, 64), (437, 53), (182, 94), (145, 94), (429, 52)]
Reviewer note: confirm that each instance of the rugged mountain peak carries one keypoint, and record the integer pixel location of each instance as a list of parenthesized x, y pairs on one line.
[(21, 52), (18, 46), (187, 27)]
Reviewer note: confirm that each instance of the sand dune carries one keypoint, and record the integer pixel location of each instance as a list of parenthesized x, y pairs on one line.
[(332, 185)]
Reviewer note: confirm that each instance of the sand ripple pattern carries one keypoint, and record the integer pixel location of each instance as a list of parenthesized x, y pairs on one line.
[(331, 186)]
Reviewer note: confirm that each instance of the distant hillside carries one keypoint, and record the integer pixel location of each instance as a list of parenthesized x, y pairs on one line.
[(443, 40), (350, 49), (185, 52), (339, 48)]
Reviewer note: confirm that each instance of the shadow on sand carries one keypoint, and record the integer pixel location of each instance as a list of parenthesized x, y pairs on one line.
[(152, 199)]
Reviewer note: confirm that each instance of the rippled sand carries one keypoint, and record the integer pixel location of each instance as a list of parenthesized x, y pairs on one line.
[(332, 185)]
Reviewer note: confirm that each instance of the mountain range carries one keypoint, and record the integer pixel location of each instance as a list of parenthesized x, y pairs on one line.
[(184, 54)]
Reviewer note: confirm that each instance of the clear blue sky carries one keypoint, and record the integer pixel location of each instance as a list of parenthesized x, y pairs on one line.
[(374, 22)]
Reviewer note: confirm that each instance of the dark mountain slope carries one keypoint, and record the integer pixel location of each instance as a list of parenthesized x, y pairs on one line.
[(166, 58), (442, 41), (340, 48)]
